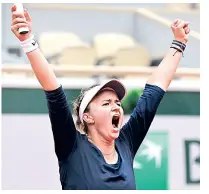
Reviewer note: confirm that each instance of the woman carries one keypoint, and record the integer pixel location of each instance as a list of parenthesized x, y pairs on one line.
[(102, 157)]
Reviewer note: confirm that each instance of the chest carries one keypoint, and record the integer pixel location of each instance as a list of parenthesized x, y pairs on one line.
[(88, 170)]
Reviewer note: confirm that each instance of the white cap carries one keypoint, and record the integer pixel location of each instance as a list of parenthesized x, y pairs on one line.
[(114, 84)]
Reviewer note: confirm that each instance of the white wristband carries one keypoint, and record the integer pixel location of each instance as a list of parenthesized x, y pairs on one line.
[(29, 45)]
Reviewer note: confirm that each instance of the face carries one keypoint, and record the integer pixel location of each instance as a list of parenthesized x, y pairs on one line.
[(107, 114)]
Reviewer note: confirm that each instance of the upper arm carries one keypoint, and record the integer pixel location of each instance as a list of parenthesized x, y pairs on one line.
[(140, 120), (63, 128)]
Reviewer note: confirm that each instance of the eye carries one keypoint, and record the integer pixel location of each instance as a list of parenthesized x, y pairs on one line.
[(106, 104), (119, 104)]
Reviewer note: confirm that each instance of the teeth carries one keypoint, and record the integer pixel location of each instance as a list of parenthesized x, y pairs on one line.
[(116, 128)]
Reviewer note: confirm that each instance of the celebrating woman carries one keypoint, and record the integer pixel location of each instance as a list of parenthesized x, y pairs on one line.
[(101, 157)]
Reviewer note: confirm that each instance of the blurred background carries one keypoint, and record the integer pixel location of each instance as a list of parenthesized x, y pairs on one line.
[(86, 44)]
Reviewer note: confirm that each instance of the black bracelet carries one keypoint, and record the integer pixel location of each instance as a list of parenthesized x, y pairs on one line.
[(180, 44), (177, 50), (177, 47)]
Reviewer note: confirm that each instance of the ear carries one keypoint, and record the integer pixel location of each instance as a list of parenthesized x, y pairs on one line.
[(88, 118)]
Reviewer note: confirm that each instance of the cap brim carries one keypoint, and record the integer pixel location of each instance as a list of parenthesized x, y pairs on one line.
[(117, 86)]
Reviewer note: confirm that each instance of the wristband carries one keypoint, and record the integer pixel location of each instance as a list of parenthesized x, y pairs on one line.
[(177, 50), (180, 44), (177, 47), (29, 45)]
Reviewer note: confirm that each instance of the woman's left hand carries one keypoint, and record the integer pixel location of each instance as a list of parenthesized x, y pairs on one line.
[(180, 30)]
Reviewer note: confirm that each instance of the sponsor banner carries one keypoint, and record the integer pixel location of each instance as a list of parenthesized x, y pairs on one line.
[(151, 162), (169, 157)]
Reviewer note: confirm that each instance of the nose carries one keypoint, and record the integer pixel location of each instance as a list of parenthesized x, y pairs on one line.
[(116, 108)]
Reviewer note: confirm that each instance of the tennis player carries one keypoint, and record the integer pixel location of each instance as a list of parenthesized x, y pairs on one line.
[(101, 157)]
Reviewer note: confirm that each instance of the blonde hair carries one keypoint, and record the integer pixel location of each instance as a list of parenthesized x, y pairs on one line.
[(76, 105)]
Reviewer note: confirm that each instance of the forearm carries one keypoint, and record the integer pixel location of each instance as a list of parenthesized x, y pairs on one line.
[(164, 73), (43, 70)]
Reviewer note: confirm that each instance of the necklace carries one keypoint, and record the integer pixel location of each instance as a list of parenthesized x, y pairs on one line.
[(109, 153), (114, 159), (115, 156)]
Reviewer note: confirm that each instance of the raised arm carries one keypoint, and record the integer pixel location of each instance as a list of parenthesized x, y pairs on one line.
[(43, 71), (63, 127), (135, 130), (164, 73)]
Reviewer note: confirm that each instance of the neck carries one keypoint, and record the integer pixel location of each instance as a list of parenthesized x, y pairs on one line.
[(106, 147)]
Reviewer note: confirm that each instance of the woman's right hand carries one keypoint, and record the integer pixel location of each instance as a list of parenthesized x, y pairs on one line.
[(19, 20)]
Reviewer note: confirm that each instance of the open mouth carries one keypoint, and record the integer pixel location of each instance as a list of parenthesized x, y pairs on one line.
[(115, 121)]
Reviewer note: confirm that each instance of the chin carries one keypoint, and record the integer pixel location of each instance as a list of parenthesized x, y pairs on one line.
[(114, 135)]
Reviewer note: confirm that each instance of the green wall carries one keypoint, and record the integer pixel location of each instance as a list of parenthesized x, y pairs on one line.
[(33, 101)]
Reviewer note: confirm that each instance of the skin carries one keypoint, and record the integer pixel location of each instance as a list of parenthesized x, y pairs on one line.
[(99, 122), (99, 125)]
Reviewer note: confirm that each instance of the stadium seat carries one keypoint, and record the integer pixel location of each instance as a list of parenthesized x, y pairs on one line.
[(107, 44), (52, 43), (77, 55), (133, 56)]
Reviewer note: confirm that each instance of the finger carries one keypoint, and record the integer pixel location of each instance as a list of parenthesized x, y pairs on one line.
[(186, 27), (17, 15), (186, 24), (18, 20), (177, 23), (174, 23), (187, 31), (14, 29), (13, 8), (27, 16), (17, 26), (181, 24)]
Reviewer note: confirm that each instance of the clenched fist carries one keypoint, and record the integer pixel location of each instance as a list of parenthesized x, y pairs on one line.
[(180, 30), (19, 20)]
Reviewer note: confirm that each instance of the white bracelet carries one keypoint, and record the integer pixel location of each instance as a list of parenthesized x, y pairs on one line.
[(29, 45)]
